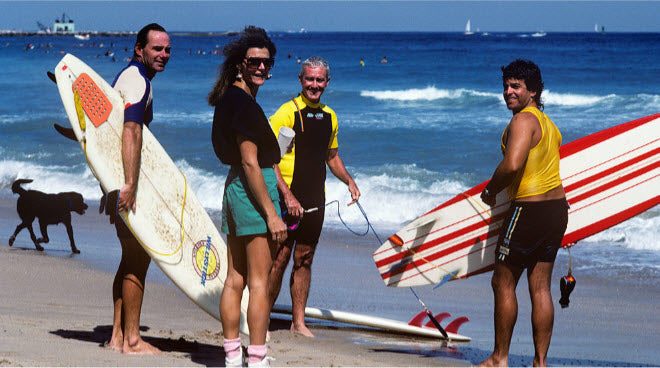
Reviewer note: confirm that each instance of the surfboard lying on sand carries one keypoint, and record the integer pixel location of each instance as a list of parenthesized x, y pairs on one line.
[(609, 177), (169, 222), (414, 327)]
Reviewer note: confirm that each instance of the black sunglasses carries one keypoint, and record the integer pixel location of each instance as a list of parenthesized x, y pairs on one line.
[(257, 61)]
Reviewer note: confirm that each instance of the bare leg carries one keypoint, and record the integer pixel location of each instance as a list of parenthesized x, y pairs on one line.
[(230, 300), (132, 291), (277, 271), (117, 338), (504, 284), (542, 310), (301, 276), (259, 252)]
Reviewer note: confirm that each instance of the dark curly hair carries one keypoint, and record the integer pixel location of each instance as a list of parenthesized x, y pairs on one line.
[(143, 36), (529, 72), (234, 53)]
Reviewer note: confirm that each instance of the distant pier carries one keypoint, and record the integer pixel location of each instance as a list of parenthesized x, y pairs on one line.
[(68, 34), (13, 33)]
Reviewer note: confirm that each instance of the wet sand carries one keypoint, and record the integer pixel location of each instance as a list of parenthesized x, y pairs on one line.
[(56, 310)]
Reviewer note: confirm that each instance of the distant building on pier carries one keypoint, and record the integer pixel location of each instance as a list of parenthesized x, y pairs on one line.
[(64, 26)]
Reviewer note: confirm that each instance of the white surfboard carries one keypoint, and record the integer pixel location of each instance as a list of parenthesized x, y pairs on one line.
[(169, 221), (609, 177), (371, 321)]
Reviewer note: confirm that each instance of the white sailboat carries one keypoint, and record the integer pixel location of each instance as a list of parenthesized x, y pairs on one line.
[(467, 28)]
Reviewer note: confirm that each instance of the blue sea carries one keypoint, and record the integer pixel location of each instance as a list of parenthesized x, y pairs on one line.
[(414, 132)]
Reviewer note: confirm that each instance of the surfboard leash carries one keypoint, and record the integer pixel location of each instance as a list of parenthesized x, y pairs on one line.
[(314, 209)]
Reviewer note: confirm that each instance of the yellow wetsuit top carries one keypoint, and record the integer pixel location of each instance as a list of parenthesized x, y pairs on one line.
[(541, 172), (304, 169)]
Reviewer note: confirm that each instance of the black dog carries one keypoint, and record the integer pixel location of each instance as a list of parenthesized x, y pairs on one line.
[(50, 209)]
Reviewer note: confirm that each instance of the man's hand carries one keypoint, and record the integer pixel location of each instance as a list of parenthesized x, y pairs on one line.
[(293, 207), (355, 192), (127, 198), (488, 198)]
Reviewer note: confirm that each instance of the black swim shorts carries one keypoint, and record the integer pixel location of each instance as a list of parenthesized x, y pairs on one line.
[(308, 230), (532, 232)]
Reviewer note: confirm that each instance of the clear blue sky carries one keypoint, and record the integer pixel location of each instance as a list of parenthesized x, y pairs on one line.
[(442, 16)]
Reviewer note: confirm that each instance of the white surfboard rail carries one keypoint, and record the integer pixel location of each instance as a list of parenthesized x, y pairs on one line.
[(370, 321)]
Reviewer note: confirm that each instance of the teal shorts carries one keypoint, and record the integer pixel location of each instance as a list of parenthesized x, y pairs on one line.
[(241, 214)]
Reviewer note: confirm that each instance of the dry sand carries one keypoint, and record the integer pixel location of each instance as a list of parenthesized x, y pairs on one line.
[(56, 310)]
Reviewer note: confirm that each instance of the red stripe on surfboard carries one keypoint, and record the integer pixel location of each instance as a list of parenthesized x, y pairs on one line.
[(428, 259), (459, 232), (616, 182), (568, 190), (608, 222), (470, 192), (595, 138), (430, 244), (568, 238), (613, 169)]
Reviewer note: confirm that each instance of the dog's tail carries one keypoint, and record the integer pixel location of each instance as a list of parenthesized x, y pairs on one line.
[(16, 186)]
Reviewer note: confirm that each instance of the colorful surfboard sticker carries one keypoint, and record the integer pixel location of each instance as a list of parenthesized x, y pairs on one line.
[(205, 260)]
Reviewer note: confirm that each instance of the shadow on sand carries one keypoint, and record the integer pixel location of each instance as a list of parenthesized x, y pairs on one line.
[(202, 353)]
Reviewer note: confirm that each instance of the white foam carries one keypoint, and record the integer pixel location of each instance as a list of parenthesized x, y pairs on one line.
[(208, 187), (432, 93), (426, 94), (50, 179), (571, 99), (388, 200), (639, 233)]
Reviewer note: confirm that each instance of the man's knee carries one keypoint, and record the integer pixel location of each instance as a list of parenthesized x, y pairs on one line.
[(303, 256), (504, 278)]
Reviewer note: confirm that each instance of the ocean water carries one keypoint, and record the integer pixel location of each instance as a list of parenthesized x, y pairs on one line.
[(413, 132)]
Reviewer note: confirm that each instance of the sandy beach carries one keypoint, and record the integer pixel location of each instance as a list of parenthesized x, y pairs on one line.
[(55, 310)]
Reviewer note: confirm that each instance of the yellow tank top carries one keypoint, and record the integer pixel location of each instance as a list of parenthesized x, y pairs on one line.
[(541, 171)]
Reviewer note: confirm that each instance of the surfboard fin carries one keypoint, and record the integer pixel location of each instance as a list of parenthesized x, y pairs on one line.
[(446, 278), (454, 325), (418, 319), (66, 132), (438, 317), (51, 76)]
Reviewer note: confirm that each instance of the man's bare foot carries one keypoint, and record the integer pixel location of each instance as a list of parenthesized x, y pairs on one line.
[(114, 346), (116, 342), (493, 362), (302, 330), (140, 347)]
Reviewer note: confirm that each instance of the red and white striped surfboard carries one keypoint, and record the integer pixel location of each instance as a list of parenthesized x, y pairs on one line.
[(609, 177)]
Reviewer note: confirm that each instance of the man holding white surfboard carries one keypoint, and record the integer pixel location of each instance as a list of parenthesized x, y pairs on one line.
[(301, 180), (151, 54), (534, 226)]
